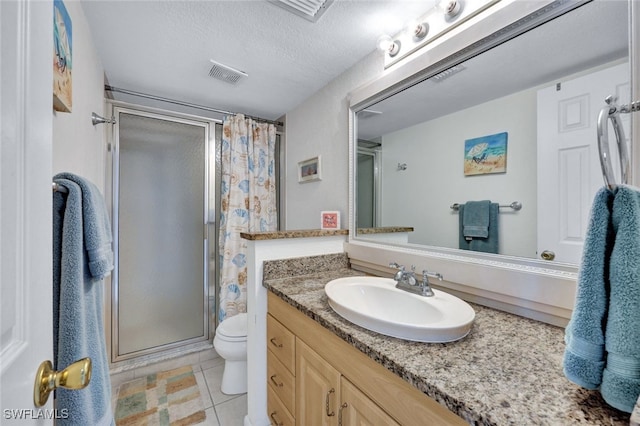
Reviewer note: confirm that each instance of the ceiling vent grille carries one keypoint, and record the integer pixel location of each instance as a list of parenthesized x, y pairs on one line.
[(226, 73), (311, 10), (440, 77)]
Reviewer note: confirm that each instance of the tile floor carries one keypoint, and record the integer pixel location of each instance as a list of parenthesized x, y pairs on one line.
[(221, 409)]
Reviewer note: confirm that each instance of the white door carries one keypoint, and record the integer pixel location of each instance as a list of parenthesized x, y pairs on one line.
[(569, 171), (25, 206)]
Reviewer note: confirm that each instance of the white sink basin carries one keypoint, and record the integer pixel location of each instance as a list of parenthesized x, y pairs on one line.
[(375, 304)]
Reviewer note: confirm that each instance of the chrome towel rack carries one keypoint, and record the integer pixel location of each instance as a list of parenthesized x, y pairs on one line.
[(516, 205), (612, 111), (58, 188)]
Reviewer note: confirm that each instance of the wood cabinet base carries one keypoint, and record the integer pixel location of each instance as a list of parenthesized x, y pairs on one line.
[(397, 398)]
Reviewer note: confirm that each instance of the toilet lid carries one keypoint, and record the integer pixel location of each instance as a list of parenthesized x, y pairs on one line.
[(235, 326)]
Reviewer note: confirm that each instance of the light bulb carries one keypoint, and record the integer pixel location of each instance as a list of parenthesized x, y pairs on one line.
[(387, 44), (420, 30), (384, 42), (417, 29), (450, 8)]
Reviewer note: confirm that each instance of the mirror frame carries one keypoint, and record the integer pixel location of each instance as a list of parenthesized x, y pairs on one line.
[(528, 287)]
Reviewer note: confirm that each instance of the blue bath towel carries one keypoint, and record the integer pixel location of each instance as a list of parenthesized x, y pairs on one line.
[(584, 356), (475, 219), (621, 378), (486, 245), (82, 257)]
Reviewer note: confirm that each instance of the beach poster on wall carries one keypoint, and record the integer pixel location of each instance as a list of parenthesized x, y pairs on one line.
[(62, 93), (486, 154)]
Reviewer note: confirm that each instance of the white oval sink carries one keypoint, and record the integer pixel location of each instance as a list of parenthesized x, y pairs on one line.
[(375, 304)]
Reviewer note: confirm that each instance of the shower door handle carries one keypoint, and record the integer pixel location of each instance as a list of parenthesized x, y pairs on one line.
[(211, 217)]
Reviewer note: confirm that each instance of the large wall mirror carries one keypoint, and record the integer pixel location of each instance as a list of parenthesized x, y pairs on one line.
[(512, 124)]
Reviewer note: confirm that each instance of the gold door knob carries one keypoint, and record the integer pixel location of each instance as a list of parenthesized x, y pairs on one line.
[(548, 255), (76, 376)]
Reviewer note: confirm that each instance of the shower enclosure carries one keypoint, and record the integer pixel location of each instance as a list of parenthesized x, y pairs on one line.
[(163, 198)]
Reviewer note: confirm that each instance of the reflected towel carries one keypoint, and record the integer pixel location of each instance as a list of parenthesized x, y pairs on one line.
[(475, 219), (584, 336), (621, 378), (81, 258), (486, 245)]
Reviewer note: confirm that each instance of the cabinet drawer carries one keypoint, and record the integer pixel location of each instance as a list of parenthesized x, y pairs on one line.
[(282, 343), (278, 414), (281, 381)]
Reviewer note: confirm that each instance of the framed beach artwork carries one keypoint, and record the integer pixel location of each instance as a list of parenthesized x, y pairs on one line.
[(330, 220), (62, 67), (309, 170), (485, 155)]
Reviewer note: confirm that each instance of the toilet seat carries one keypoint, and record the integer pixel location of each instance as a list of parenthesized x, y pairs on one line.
[(233, 329)]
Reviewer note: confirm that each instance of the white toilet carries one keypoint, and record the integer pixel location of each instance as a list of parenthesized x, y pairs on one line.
[(230, 342)]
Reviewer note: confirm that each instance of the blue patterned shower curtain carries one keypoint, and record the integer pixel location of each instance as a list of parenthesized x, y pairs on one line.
[(248, 192)]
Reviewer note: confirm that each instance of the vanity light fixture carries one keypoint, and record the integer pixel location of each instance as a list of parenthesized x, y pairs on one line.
[(388, 45), (435, 23)]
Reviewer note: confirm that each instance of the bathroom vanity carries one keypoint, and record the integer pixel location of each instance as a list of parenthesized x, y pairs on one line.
[(316, 375), (508, 370)]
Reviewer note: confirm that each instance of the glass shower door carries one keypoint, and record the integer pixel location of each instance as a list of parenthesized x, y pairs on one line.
[(160, 211)]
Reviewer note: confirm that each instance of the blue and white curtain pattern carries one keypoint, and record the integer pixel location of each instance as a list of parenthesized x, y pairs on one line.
[(248, 192)]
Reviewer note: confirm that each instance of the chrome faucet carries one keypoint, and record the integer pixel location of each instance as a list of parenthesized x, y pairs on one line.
[(426, 287), (403, 277), (407, 281)]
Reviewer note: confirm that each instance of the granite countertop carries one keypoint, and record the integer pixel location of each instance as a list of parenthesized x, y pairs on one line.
[(507, 371), (312, 233), (296, 233), (384, 230)]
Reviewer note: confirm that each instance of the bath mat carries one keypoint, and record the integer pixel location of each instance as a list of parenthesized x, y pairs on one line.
[(168, 398)]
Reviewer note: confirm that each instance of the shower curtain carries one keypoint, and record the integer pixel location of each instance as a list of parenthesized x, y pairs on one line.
[(248, 192)]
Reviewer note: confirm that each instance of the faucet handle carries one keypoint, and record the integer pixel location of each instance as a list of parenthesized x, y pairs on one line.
[(396, 266), (437, 275)]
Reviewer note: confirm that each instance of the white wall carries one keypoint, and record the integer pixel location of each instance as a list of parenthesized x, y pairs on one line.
[(320, 126), (434, 154), (78, 146)]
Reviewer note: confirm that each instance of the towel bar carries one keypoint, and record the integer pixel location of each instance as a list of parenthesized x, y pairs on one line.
[(612, 111), (58, 188), (516, 205)]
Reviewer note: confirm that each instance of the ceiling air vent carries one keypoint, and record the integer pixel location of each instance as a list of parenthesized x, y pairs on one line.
[(226, 73), (310, 10), (440, 77)]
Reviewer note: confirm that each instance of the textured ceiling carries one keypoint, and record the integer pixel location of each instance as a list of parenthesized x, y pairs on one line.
[(163, 48)]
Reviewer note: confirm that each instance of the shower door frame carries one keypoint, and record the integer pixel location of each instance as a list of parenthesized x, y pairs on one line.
[(211, 195), (376, 195)]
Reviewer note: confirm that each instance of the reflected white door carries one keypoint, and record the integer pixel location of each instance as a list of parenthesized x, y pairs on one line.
[(26, 34), (569, 171)]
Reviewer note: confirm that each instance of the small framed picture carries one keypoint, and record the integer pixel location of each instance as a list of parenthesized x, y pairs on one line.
[(330, 220), (309, 170)]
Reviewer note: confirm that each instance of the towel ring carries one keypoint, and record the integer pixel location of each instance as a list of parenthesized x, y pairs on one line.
[(612, 111)]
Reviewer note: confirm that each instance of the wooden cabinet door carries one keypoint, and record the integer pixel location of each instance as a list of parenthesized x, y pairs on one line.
[(356, 409), (317, 389)]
